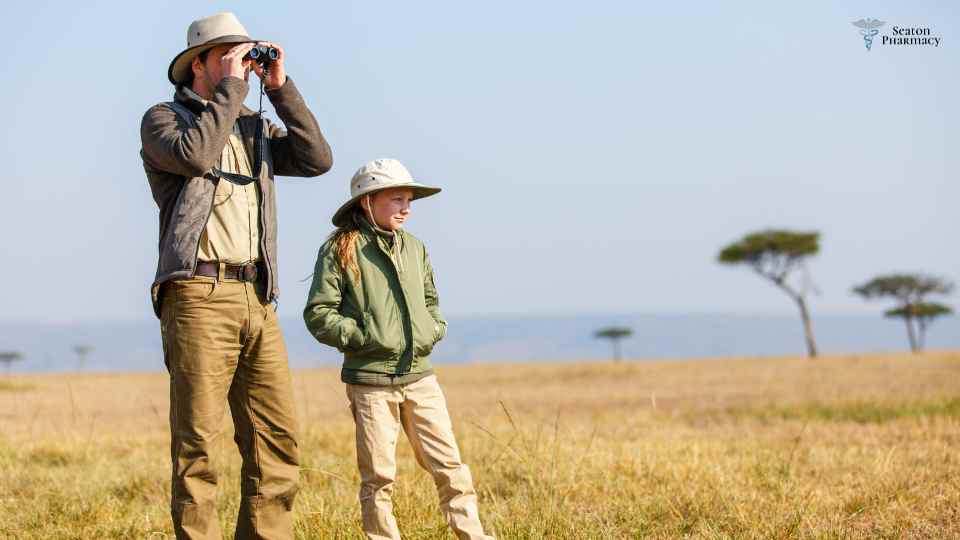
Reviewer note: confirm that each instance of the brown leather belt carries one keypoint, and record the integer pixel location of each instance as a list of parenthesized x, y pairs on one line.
[(239, 272)]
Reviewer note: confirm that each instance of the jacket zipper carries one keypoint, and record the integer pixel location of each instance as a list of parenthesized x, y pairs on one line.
[(396, 271), (263, 223)]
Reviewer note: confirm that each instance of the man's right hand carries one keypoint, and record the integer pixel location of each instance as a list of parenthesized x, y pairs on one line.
[(233, 63)]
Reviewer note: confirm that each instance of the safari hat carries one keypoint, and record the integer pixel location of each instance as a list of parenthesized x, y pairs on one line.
[(378, 175), (203, 35)]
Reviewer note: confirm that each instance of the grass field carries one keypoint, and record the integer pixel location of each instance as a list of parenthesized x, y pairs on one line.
[(857, 446)]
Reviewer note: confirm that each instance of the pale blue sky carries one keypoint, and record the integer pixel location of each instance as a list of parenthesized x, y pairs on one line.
[(595, 155)]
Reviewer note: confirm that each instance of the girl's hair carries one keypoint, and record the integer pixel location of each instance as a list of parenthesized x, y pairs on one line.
[(343, 242)]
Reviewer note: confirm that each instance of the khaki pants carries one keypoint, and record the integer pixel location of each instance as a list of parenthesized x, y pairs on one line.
[(223, 345), (379, 412)]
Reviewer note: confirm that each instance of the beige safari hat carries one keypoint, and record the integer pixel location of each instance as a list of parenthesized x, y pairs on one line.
[(378, 175), (203, 35)]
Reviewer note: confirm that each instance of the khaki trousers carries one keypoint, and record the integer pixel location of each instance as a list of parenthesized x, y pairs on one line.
[(222, 344), (420, 408)]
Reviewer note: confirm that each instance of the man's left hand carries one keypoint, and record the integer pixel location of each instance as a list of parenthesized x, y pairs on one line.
[(276, 73)]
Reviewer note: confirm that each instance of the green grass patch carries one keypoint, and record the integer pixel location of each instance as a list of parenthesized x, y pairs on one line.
[(861, 412)]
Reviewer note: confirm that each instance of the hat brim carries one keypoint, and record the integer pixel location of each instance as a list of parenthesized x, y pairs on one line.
[(180, 66), (420, 191)]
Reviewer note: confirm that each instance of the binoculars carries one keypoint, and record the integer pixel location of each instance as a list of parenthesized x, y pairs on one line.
[(262, 54)]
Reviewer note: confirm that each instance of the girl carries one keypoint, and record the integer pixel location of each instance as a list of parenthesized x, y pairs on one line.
[(374, 299)]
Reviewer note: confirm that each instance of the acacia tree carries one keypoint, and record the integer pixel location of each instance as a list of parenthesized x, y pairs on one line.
[(614, 334), (82, 352), (910, 292), (9, 357), (774, 255)]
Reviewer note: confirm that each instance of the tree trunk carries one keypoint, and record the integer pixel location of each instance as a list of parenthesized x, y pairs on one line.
[(616, 349), (807, 327), (921, 333), (911, 334)]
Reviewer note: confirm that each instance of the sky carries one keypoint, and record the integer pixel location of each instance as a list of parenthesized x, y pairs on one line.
[(594, 156)]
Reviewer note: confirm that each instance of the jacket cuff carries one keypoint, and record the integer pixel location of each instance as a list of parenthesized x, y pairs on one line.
[(285, 93)]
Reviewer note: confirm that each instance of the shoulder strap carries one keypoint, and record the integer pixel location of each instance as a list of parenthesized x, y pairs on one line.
[(190, 118)]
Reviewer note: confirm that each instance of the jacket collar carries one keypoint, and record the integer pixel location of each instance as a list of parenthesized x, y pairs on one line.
[(371, 229), (390, 242)]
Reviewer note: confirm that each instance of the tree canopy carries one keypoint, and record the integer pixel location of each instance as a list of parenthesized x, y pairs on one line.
[(10, 356), (773, 252), (926, 310), (613, 332), (908, 288)]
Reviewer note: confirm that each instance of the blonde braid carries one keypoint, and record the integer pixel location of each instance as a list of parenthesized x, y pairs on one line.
[(344, 241)]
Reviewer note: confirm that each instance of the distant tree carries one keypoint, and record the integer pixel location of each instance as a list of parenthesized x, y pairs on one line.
[(923, 314), (82, 352), (910, 292), (614, 334), (9, 357), (774, 254)]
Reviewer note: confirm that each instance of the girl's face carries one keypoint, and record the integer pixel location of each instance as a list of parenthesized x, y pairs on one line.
[(390, 207)]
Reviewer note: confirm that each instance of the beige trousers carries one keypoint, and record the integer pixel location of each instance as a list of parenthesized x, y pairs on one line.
[(420, 408), (223, 345)]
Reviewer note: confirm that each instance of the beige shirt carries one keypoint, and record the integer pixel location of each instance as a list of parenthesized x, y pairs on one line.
[(232, 234)]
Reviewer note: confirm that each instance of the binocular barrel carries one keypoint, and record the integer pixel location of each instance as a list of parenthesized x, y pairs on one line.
[(262, 54)]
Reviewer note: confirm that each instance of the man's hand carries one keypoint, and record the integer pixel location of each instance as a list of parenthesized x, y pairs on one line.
[(276, 73), (233, 64)]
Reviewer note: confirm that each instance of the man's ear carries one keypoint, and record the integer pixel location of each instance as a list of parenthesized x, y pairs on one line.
[(197, 66)]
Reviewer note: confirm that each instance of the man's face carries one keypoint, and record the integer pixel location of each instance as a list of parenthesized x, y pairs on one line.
[(391, 207), (207, 73)]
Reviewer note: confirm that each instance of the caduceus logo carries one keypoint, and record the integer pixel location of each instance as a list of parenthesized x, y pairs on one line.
[(868, 28)]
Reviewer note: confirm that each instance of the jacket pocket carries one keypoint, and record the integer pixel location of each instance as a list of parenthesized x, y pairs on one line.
[(381, 339), (426, 333), (354, 340)]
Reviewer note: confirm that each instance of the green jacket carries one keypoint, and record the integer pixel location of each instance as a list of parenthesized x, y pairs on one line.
[(388, 326)]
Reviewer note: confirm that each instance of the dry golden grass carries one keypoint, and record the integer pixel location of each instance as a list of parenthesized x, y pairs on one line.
[(861, 446)]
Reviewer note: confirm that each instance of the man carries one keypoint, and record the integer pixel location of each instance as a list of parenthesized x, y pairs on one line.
[(217, 273)]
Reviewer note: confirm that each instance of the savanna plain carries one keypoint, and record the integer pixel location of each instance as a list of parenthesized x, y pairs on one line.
[(853, 446)]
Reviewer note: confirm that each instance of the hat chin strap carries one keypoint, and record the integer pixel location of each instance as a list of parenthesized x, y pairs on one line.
[(367, 208)]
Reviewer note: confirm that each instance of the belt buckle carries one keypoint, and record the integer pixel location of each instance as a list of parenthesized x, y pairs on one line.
[(249, 272)]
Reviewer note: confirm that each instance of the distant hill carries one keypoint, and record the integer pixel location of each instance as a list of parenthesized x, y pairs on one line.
[(136, 345)]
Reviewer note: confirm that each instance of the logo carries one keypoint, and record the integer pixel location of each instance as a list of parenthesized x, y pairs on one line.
[(868, 28), (898, 36)]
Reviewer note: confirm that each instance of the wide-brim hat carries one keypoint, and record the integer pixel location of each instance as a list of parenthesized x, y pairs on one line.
[(203, 35), (378, 175)]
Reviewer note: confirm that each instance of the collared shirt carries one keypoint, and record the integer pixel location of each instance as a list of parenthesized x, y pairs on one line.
[(232, 234)]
